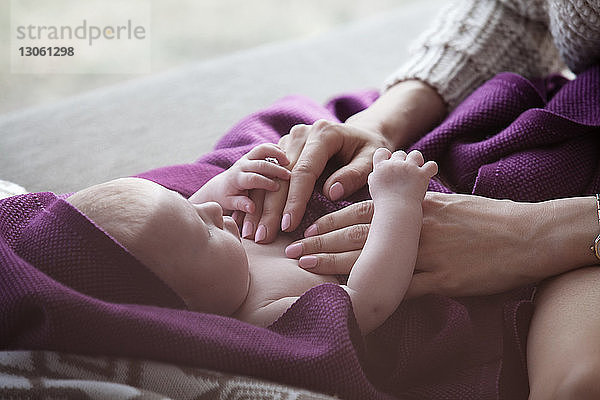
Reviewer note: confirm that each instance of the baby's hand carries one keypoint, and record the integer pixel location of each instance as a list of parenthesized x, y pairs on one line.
[(400, 175), (257, 169)]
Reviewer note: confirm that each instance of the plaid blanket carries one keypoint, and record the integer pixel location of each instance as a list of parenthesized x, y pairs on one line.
[(47, 374)]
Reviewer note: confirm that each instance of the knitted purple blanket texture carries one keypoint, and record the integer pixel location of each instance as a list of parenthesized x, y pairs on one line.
[(67, 286)]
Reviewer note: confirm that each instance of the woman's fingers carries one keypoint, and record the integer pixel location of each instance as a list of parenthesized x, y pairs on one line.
[(349, 178), (322, 142), (357, 213), (345, 239), (250, 222), (330, 263), (353, 147), (270, 219)]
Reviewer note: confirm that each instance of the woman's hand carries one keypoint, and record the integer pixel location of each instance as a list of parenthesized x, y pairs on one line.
[(469, 245), (309, 148), (401, 115), (353, 147)]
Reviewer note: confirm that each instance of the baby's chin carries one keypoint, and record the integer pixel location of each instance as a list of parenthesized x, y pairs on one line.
[(221, 294), (226, 304)]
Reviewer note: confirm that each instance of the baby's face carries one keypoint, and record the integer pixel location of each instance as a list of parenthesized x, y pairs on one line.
[(196, 250)]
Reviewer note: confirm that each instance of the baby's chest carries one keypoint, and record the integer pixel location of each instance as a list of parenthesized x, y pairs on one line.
[(273, 276), (283, 278)]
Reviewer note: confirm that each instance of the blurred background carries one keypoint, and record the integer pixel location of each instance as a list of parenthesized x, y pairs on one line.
[(186, 31)]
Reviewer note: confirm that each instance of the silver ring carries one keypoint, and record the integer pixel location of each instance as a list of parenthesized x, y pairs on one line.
[(272, 160)]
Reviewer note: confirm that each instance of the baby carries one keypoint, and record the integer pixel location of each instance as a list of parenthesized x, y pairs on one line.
[(198, 252)]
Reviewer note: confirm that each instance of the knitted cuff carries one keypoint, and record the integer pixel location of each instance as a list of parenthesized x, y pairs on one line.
[(471, 42), (450, 73)]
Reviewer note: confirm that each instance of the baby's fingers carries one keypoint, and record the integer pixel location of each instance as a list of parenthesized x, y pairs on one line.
[(415, 157), (399, 155), (241, 203), (238, 217), (271, 150), (430, 168), (266, 168), (251, 180), (381, 154)]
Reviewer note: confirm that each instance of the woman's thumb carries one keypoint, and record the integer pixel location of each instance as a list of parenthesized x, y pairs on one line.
[(349, 178)]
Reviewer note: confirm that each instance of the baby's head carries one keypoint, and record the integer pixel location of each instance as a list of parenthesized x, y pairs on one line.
[(193, 248)]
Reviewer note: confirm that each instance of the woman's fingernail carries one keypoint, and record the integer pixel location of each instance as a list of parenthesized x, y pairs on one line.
[(261, 233), (286, 221), (308, 262), (336, 191), (247, 229), (294, 250), (311, 231)]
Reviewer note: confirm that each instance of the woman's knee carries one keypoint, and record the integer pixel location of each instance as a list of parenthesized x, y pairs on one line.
[(563, 351)]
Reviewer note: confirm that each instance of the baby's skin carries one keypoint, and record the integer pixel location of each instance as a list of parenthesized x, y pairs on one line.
[(197, 250)]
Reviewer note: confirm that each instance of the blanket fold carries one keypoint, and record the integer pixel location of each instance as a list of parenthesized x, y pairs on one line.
[(67, 286)]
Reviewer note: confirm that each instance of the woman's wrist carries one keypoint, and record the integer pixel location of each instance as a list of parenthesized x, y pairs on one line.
[(557, 235), (403, 113), (563, 236)]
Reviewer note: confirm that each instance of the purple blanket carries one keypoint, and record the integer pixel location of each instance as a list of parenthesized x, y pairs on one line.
[(66, 286)]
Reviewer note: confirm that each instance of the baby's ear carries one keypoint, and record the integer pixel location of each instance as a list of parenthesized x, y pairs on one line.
[(381, 154)]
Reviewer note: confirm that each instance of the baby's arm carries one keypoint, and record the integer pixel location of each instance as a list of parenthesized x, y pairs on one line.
[(381, 274), (231, 187)]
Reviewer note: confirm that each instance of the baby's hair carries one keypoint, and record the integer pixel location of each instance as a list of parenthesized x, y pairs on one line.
[(118, 207)]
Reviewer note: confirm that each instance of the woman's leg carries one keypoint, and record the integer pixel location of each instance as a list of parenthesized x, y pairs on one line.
[(563, 348)]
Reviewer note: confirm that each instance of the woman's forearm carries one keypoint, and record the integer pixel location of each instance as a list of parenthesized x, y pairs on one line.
[(473, 245), (403, 113)]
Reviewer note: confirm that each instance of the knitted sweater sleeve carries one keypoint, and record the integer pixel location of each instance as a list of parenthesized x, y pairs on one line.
[(473, 40)]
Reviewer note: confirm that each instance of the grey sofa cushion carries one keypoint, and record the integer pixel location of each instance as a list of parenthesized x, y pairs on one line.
[(175, 116)]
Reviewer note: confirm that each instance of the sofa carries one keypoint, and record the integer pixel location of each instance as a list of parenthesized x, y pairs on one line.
[(175, 116)]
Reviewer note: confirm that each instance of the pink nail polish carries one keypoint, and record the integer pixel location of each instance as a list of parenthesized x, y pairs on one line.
[(294, 250), (308, 262), (286, 221), (247, 229), (336, 191), (311, 231), (261, 233)]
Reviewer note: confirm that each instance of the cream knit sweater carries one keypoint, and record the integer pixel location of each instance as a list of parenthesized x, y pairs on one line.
[(473, 40)]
